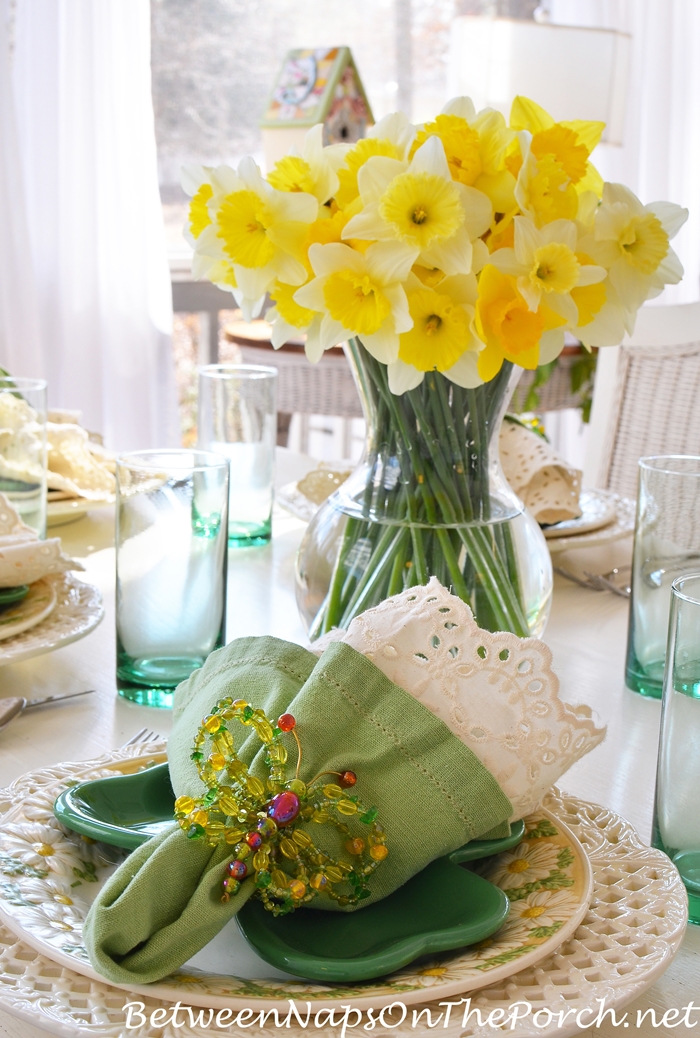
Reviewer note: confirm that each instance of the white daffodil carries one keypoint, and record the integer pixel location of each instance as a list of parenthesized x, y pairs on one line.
[(420, 205), (359, 295), (475, 146), (390, 138), (313, 172), (442, 337), (632, 241), (256, 229), (545, 263)]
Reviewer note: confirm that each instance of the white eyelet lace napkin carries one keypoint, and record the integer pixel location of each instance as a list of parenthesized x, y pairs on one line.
[(496, 692), (77, 466), (546, 484), (23, 557)]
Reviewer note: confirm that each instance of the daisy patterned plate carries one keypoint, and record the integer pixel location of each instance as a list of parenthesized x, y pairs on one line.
[(49, 876)]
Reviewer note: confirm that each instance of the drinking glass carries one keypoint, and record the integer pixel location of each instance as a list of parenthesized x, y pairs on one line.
[(666, 545), (237, 417), (676, 828), (23, 448), (172, 511)]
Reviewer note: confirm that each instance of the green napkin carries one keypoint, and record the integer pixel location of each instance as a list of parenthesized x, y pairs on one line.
[(164, 902)]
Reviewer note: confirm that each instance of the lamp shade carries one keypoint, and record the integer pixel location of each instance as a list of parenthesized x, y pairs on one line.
[(572, 72)]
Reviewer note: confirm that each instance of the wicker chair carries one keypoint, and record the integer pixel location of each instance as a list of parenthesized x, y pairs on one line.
[(647, 397)]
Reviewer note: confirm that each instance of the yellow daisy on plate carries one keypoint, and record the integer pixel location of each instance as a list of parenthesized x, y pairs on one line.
[(545, 908), (526, 863)]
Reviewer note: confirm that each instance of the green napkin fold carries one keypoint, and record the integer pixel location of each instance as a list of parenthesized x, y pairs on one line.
[(164, 902)]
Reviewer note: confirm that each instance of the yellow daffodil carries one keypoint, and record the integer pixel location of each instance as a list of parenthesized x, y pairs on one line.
[(359, 295), (420, 205), (543, 189), (508, 327), (568, 144), (313, 172), (544, 262), (390, 138), (289, 320), (442, 337), (256, 229), (633, 242), (475, 148), (196, 181)]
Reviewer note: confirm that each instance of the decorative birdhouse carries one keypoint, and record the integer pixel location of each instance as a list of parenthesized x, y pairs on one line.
[(315, 85)]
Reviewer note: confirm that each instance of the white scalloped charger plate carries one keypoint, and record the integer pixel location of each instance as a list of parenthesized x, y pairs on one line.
[(624, 941), (78, 611), (59, 513)]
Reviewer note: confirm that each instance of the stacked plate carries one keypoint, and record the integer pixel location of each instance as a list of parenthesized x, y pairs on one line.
[(605, 517), (583, 895)]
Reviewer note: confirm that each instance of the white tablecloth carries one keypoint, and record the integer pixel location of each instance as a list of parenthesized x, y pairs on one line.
[(586, 631)]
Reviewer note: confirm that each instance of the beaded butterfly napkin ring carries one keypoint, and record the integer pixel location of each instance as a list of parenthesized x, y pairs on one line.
[(260, 819)]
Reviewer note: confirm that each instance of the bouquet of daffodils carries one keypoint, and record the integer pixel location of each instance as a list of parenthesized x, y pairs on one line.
[(451, 246), (443, 255)]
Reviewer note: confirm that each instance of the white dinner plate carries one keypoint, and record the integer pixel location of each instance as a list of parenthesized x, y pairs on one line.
[(58, 513), (77, 611), (621, 525)]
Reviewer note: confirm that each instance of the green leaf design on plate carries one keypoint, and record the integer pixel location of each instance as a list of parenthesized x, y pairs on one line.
[(506, 956), (10, 892), (543, 828), (89, 873), (11, 866), (547, 931)]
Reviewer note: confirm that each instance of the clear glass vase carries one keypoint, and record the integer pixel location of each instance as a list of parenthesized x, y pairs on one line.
[(428, 499)]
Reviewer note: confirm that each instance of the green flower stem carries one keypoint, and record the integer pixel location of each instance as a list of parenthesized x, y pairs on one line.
[(428, 480)]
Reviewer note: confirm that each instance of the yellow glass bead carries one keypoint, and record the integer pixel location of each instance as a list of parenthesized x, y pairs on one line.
[(297, 889), (263, 729), (215, 829), (355, 846), (239, 704), (346, 807), (273, 785), (212, 723), (223, 740), (277, 774), (234, 835), (278, 753), (242, 851), (183, 805), (334, 874), (302, 839), (297, 786), (378, 852), (237, 768), (255, 786), (217, 761), (319, 816), (289, 848), (199, 818), (228, 805), (345, 866), (279, 878), (332, 791), (318, 881), (261, 858)]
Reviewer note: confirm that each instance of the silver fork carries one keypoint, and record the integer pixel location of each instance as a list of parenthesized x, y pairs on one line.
[(143, 736), (595, 581)]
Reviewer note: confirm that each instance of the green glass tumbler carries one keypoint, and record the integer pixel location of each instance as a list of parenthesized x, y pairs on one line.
[(237, 417), (172, 521), (666, 545), (676, 827)]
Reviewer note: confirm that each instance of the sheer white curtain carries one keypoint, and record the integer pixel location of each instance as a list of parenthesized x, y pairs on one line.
[(660, 157), (82, 94), (20, 349)]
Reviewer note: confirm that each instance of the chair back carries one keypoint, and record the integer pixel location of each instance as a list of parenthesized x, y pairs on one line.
[(646, 398)]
